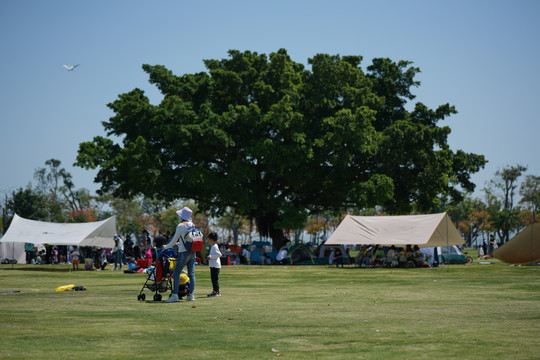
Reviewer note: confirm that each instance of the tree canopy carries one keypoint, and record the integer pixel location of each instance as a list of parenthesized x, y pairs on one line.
[(274, 139)]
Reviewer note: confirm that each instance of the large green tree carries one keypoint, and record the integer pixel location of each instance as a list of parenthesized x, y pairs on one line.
[(26, 203), (275, 140)]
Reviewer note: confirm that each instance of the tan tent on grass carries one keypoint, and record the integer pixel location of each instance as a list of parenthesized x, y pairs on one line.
[(99, 233), (522, 248), (431, 230)]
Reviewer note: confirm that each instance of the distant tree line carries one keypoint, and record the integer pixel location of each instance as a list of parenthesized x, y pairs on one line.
[(54, 198)]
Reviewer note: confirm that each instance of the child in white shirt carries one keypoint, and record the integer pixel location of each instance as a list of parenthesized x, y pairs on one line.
[(75, 258), (214, 262)]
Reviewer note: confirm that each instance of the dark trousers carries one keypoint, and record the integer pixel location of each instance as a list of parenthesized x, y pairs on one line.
[(214, 275)]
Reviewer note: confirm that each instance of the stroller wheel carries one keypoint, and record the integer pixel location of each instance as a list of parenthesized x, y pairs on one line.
[(143, 297), (157, 297), (139, 297)]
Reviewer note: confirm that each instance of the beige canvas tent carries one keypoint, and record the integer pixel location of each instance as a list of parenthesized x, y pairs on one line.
[(423, 230), (99, 233), (522, 248)]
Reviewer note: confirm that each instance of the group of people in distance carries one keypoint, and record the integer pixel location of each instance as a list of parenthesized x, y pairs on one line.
[(395, 257)]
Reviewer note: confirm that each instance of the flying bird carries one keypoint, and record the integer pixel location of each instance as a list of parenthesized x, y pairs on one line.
[(70, 67)]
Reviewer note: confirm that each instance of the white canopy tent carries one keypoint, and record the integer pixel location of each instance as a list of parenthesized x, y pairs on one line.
[(423, 230), (99, 233)]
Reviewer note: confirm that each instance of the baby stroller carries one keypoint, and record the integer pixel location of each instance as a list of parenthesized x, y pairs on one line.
[(160, 277)]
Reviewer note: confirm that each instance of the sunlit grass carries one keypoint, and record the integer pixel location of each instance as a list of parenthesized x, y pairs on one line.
[(303, 312)]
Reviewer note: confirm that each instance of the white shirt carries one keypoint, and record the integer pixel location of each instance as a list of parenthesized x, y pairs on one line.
[(179, 234), (281, 255), (332, 257), (75, 255), (215, 256), (119, 244)]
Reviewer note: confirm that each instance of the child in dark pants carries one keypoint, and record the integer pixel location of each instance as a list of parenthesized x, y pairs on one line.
[(214, 263)]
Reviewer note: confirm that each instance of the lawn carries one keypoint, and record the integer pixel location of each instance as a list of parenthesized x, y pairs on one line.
[(303, 312)]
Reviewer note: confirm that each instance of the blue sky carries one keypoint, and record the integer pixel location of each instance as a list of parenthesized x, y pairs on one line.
[(480, 56)]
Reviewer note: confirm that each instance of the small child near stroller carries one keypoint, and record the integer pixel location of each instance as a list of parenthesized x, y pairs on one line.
[(160, 276), (183, 289)]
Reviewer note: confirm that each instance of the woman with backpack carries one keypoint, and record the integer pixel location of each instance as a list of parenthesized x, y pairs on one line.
[(185, 257)]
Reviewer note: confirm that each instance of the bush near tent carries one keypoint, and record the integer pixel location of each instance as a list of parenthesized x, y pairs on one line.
[(325, 250)]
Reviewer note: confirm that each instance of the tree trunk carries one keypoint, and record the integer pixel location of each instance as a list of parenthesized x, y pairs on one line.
[(235, 234), (266, 227)]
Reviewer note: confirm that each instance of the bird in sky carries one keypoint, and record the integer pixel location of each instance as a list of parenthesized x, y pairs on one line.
[(70, 67)]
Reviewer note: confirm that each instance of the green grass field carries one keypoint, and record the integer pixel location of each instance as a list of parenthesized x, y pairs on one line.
[(303, 312)]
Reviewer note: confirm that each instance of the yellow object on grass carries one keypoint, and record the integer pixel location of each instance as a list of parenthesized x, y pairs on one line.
[(65, 287)]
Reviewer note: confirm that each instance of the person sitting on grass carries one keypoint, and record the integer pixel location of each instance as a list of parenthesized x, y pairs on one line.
[(418, 257), (99, 259), (183, 287), (480, 252), (379, 257), (391, 256), (366, 257), (335, 258), (246, 256), (402, 259), (411, 257)]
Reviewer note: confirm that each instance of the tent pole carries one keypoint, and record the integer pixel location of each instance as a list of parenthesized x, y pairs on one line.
[(447, 245), (447, 241), (531, 247), (532, 230)]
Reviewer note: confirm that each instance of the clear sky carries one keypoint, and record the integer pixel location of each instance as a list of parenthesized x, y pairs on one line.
[(480, 56)]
